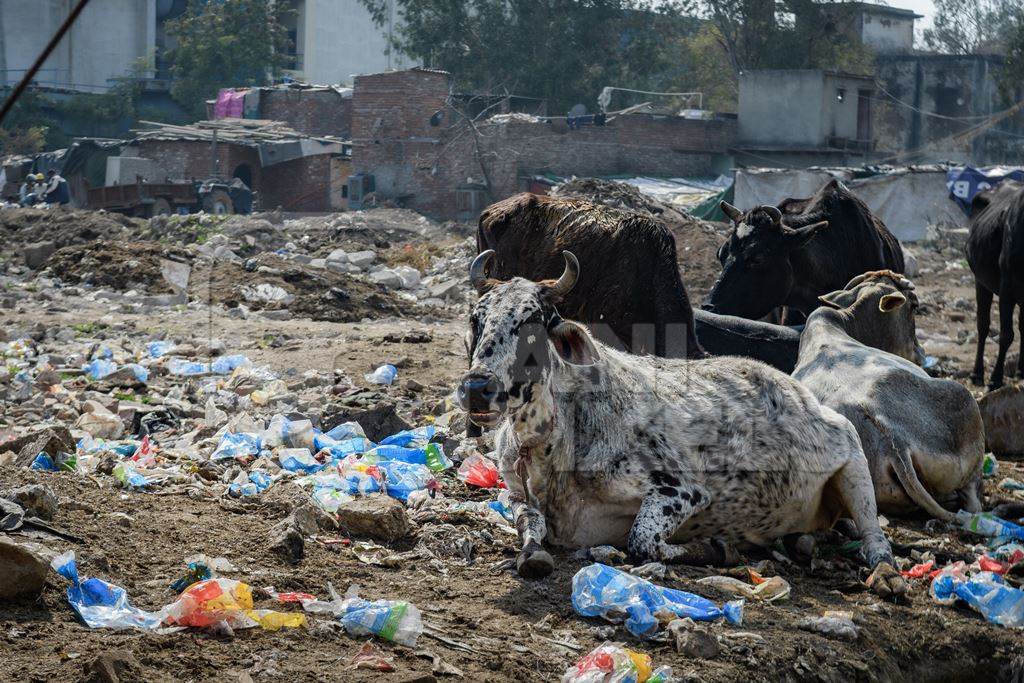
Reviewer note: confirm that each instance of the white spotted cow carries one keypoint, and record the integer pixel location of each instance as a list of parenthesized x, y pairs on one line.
[(655, 455)]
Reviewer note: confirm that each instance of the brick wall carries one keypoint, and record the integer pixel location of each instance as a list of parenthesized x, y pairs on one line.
[(422, 165), (311, 112), (298, 185), (188, 159)]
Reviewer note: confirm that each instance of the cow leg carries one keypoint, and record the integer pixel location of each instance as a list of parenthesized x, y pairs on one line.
[(853, 485), (663, 510), (984, 300), (1020, 329), (533, 562), (1006, 306)]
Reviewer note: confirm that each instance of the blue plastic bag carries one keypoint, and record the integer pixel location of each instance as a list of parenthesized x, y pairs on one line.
[(101, 604), (100, 368), (237, 445), (157, 349), (341, 449), (986, 593), (45, 463), (403, 478), (431, 455), (411, 438), (603, 591), (141, 373), (227, 364), (186, 368), (299, 460)]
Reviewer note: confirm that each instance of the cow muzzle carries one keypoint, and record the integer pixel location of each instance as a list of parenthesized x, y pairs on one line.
[(483, 397)]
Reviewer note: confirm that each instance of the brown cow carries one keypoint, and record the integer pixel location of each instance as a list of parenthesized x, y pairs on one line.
[(630, 291)]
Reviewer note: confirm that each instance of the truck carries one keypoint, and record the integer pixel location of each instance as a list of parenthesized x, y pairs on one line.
[(146, 199)]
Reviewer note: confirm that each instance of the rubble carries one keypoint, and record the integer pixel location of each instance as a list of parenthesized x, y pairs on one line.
[(378, 517), (22, 571)]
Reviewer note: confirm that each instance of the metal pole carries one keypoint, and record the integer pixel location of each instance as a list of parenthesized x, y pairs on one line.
[(43, 56)]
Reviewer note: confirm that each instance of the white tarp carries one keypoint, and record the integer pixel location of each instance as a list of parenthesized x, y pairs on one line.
[(907, 201)]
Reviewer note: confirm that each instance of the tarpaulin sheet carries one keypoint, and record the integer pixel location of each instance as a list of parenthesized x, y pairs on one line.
[(907, 202), (965, 182)]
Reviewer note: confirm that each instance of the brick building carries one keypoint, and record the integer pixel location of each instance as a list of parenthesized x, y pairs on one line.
[(317, 110), (410, 134), (288, 170)]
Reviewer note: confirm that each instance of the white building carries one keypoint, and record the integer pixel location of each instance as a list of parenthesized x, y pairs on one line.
[(884, 29), (334, 40), (108, 40)]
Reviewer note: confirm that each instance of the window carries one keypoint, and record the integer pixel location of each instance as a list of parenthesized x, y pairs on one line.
[(840, 94)]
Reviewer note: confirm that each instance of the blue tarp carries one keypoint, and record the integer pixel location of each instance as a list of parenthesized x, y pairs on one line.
[(964, 182)]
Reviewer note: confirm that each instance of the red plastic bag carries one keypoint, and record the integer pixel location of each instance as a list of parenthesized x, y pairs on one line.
[(919, 571), (476, 470)]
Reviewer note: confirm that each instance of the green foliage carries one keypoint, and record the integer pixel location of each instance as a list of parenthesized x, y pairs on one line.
[(563, 50), (974, 26), (232, 43), (29, 140)]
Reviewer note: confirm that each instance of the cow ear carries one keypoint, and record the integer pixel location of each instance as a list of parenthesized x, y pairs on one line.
[(798, 237), (573, 344), (843, 298), (890, 302)]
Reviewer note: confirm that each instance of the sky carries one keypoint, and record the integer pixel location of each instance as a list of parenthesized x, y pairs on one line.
[(925, 7)]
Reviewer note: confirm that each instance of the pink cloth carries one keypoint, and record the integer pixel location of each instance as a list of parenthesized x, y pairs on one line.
[(230, 104)]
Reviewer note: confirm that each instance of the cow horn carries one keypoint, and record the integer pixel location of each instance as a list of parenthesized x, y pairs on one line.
[(477, 276), (856, 281), (731, 211), (774, 212), (568, 279)]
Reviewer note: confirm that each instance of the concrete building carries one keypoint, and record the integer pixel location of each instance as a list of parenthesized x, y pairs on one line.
[(882, 28), (934, 108), (107, 41), (804, 117), (334, 40)]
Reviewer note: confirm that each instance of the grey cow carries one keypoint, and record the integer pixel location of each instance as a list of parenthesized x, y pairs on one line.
[(923, 437), (655, 455)]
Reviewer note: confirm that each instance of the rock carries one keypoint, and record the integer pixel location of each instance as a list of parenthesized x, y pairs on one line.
[(910, 264), (387, 278), (379, 422), (362, 259), (37, 253), (692, 640), (1002, 413), (444, 290), (832, 623), (287, 541), (122, 519), (338, 255), (410, 276), (22, 571), (378, 516), (281, 314), (413, 385), (52, 440), (343, 267), (37, 500), (114, 667), (101, 425)]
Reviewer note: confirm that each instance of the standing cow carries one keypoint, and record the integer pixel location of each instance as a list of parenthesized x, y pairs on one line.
[(995, 252), (633, 293), (601, 447), (791, 254), (922, 436), (630, 292)]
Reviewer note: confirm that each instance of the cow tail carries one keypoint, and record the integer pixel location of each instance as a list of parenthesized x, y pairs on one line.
[(903, 466)]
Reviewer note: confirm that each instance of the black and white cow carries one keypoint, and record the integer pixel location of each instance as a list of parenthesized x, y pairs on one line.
[(652, 454)]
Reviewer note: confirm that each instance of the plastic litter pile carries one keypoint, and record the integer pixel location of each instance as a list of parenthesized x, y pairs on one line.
[(603, 591), (614, 663)]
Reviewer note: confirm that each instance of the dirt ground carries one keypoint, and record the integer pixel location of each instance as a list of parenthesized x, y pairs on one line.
[(483, 619)]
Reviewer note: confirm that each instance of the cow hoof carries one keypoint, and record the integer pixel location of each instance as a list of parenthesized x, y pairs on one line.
[(886, 582), (993, 385), (535, 564), (978, 380)]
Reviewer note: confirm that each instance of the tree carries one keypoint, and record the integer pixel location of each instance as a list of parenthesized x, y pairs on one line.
[(563, 50), (230, 43), (973, 26)]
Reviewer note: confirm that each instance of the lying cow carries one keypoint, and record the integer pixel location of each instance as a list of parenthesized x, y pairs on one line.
[(601, 447), (791, 254), (631, 293), (922, 436), (995, 252)]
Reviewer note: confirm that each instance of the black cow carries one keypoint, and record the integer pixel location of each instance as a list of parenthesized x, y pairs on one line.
[(791, 254), (629, 292), (995, 252)]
